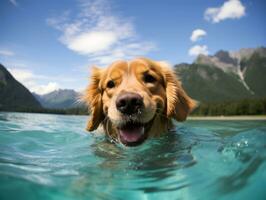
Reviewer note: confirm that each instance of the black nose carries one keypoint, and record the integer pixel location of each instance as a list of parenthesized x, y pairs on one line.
[(129, 103)]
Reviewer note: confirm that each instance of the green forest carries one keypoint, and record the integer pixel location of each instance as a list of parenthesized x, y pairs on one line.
[(240, 107), (69, 111)]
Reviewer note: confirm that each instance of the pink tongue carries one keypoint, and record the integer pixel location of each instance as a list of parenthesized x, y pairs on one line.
[(131, 135)]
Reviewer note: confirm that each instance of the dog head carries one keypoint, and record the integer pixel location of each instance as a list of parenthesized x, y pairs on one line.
[(135, 100)]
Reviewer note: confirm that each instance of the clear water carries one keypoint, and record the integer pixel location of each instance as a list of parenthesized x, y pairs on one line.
[(52, 157)]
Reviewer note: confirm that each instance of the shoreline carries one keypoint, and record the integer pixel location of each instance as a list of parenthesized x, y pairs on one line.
[(234, 117)]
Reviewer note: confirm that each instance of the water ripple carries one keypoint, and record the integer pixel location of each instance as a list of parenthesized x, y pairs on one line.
[(198, 160)]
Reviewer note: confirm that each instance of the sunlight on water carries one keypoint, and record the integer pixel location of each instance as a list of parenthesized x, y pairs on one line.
[(52, 157)]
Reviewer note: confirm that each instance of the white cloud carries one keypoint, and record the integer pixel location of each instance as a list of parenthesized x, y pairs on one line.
[(29, 80), (91, 42), (197, 34), (98, 34), (198, 49), (21, 74), (4, 52), (126, 51), (14, 2), (231, 9), (44, 89)]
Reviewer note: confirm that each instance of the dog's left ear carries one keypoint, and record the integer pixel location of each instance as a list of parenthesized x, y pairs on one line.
[(179, 104), (93, 98)]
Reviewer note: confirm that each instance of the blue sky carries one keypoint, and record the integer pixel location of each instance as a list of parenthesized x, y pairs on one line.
[(52, 44)]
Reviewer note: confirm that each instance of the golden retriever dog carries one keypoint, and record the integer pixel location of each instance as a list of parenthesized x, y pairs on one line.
[(135, 100)]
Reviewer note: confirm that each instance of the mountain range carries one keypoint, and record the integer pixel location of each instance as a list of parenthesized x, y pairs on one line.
[(59, 99), (224, 76)]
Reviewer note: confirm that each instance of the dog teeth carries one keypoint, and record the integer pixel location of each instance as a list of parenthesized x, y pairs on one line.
[(142, 130)]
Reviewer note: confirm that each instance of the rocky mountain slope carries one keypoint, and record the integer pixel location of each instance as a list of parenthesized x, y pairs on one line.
[(226, 75), (13, 95), (60, 99)]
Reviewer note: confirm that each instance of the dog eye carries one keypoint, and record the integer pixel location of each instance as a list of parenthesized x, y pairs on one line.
[(110, 84), (149, 78)]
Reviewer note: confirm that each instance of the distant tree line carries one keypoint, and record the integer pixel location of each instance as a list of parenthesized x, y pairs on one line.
[(70, 111), (241, 107)]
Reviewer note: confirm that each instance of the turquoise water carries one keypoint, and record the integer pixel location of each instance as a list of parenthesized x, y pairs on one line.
[(52, 157)]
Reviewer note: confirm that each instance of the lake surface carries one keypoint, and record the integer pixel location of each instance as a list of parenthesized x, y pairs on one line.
[(52, 157)]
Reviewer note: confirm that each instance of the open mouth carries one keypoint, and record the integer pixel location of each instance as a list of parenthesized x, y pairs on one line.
[(133, 133)]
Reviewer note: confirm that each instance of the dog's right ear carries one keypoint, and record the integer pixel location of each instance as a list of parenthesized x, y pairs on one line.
[(93, 98)]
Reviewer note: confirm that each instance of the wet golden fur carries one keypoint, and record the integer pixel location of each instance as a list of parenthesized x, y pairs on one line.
[(163, 99)]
